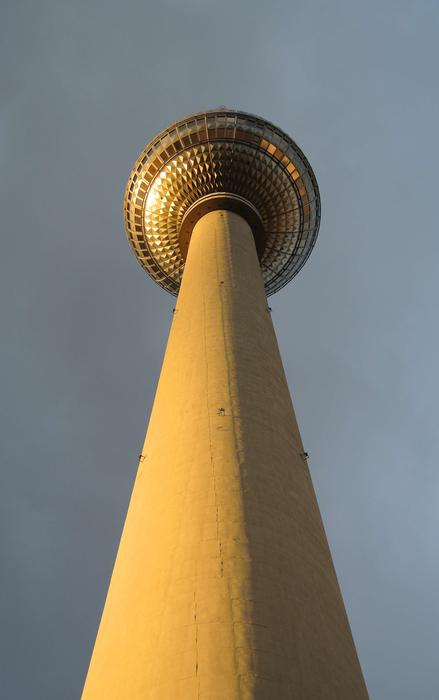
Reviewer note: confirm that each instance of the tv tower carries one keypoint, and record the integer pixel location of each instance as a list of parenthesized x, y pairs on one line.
[(223, 586)]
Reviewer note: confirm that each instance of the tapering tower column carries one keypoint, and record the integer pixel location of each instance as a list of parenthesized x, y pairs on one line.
[(223, 587)]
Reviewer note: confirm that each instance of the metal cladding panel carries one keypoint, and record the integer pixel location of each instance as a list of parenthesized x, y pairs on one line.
[(222, 151)]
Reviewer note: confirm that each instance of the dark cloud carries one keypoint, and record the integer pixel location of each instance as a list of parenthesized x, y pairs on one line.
[(85, 85)]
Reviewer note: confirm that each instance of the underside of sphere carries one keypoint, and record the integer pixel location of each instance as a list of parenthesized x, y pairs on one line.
[(228, 153)]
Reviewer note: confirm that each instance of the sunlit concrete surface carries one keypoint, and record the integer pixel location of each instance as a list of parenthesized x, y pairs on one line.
[(223, 587)]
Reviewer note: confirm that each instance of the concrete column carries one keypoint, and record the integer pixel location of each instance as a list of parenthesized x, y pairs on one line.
[(223, 587)]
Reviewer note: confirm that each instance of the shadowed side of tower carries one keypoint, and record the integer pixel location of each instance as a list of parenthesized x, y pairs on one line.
[(223, 587)]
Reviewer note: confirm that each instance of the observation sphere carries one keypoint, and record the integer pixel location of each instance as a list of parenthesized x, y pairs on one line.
[(222, 159)]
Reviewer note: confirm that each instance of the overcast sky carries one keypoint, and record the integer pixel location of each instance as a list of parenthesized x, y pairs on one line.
[(85, 84)]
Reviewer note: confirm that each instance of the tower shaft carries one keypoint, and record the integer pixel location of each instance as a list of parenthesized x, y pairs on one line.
[(223, 587)]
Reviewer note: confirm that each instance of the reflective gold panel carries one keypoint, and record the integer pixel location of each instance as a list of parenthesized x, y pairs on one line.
[(222, 151)]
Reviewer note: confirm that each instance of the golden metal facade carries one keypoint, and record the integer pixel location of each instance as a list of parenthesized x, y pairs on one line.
[(222, 151)]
